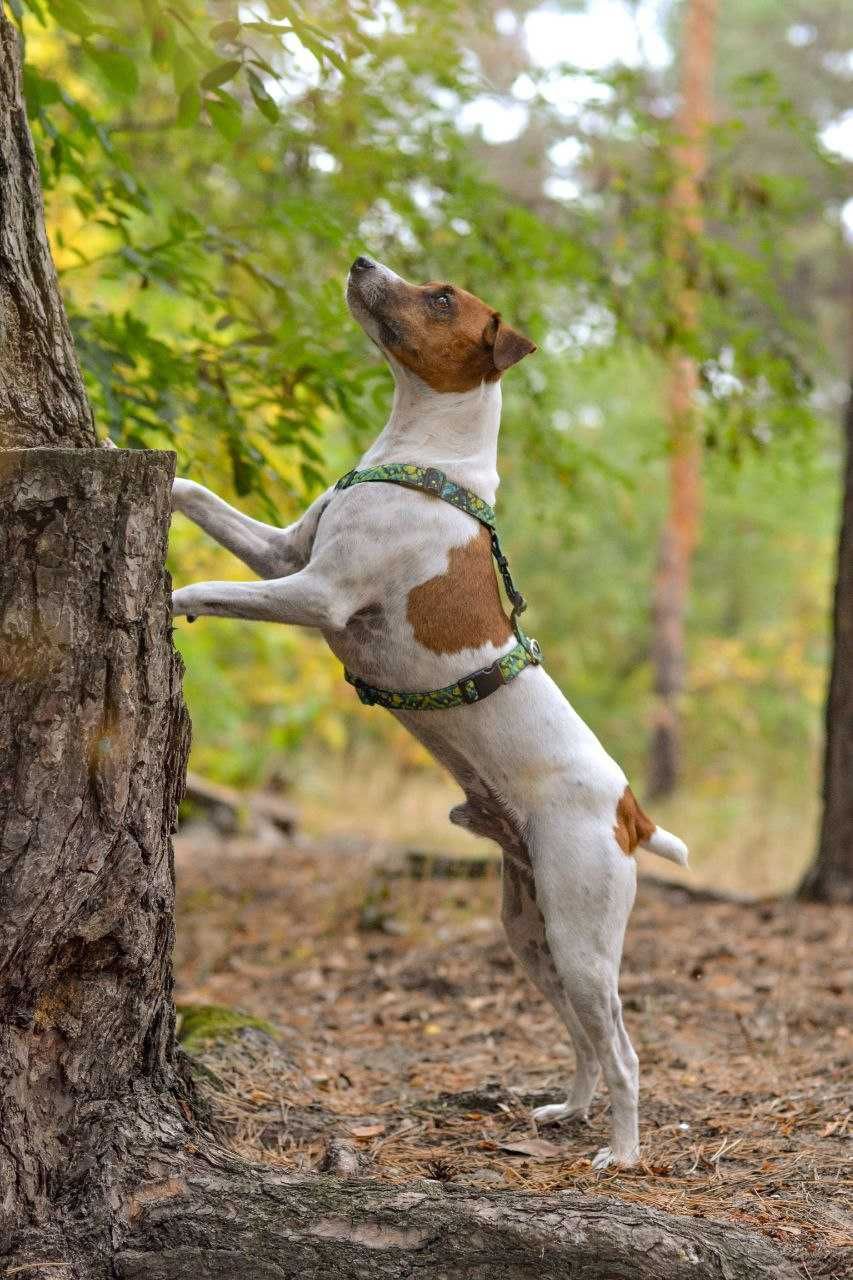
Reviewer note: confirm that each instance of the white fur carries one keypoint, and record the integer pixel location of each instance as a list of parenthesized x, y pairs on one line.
[(535, 776)]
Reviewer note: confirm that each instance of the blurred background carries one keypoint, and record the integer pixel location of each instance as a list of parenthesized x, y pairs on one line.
[(657, 192)]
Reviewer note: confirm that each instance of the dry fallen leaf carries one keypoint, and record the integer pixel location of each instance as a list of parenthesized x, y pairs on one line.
[(367, 1130), (536, 1147)]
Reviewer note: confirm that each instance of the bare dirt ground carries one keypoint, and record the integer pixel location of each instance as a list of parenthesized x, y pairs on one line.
[(406, 1030)]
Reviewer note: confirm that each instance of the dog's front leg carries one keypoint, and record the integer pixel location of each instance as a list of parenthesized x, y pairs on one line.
[(269, 551), (303, 599)]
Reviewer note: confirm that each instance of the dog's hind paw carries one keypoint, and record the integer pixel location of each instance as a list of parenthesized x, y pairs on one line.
[(559, 1111), (606, 1157)]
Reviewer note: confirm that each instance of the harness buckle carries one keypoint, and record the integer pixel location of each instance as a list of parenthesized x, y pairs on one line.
[(482, 683), (433, 480)]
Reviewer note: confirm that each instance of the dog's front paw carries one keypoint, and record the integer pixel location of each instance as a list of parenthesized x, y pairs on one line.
[(181, 492), (182, 604)]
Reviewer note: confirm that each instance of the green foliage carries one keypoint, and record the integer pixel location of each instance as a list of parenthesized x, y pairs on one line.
[(210, 177), (210, 171), (204, 168)]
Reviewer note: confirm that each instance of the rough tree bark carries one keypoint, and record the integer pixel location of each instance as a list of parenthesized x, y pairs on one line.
[(680, 531), (830, 877), (92, 753), (42, 398), (106, 1168)]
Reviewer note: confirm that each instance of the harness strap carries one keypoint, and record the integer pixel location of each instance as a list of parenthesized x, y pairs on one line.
[(470, 689), (480, 684), (427, 479)]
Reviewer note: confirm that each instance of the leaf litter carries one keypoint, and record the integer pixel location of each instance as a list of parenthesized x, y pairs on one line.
[(422, 1047)]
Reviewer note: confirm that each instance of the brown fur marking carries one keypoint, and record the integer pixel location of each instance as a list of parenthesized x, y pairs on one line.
[(461, 608), (455, 348), (632, 825)]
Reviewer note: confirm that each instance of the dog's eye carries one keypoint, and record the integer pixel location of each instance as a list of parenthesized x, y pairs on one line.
[(441, 300)]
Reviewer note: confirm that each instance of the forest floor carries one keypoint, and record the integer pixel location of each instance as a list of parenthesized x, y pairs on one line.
[(404, 1028)]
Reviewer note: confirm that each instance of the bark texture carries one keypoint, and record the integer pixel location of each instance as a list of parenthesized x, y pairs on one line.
[(314, 1228), (42, 398), (830, 878), (680, 532), (92, 756)]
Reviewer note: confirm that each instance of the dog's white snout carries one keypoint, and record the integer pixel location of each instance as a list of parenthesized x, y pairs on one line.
[(368, 282)]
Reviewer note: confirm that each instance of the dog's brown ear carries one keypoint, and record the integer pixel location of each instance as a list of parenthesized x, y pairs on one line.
[(508, 345)]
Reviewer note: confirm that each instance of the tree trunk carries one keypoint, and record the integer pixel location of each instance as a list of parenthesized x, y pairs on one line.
[(680, 532), (313, 1228), (830, 877), (42, 398), (106, 1169), (92, 757)]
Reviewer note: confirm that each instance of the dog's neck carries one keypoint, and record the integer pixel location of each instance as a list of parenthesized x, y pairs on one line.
[(458, 433)]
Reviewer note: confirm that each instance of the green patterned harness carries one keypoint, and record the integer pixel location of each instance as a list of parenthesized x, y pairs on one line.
[(479, 684)]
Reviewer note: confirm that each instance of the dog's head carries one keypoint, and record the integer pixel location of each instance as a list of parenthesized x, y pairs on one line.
[(449, 338)]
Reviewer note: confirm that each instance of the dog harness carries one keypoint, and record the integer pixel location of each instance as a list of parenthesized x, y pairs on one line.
[(478, 685)]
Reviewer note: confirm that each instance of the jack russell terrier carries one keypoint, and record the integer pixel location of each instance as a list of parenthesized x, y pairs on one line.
[(402, 586)]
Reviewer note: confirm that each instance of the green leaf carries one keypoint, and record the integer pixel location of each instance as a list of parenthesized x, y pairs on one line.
[(225, 118), (221, 75), (72, 16), (225, 30), (184, 69), (189, 106), (265, 104), (39, 91), (118, 69), (162, 43), (265, 66)]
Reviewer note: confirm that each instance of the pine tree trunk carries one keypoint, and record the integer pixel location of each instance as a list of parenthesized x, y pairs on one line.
[(92, 757), (680, 532), (830, 877), (42, 398), (106, 1170)]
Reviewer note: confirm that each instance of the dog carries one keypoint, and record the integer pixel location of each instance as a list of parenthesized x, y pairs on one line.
[(403, 588)]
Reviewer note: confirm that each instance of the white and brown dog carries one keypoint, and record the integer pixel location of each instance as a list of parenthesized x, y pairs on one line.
[(403, 588)]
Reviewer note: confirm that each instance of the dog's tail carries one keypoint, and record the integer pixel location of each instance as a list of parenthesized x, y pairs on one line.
[(666, 845)]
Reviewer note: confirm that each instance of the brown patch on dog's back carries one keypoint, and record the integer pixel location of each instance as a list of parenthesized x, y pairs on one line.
[(460, 608), (632, 825)]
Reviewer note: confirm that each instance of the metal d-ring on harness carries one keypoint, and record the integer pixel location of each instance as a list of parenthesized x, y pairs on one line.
[(478, 685)]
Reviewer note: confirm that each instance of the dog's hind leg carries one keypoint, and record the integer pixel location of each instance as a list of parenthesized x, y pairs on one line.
[(585, 890), (525, 931)]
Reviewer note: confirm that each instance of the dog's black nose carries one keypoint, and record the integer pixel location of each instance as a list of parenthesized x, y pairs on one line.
[(362, 264)]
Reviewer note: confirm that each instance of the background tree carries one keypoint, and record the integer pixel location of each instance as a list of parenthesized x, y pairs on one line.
[(830, 877), (681, 529)]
